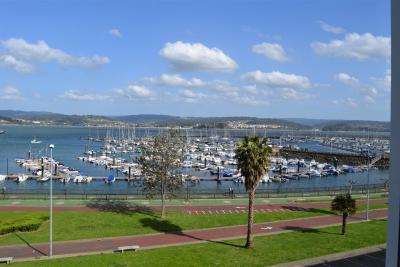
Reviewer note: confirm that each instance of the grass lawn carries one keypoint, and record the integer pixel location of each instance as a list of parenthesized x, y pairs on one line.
[(268, 250), (234, 201), (69, 225)]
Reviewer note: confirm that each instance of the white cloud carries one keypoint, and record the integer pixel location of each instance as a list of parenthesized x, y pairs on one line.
[(292, 94), (174, 80), (190, 96), (250, 101), (330, 28), (355, 83), (135, 91), (347, 79), (251, 89), (85, 96), (115, 33), (369, 99), (10, 93), (197, 57), (272, 51), (26, 53), (350, 102), (357, 46), (384, 82), (277, 79), (11, 62)]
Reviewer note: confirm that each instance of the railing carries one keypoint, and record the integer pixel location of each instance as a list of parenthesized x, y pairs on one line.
[(191, 193)]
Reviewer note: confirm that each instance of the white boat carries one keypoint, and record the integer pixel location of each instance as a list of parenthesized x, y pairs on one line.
[(44, 178), (35, 141), (87, 179), (21, 178), (65, 180), (265, 178), (78, 179), (2, 177)]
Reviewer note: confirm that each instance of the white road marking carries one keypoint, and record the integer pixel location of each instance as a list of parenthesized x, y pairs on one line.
[(266, 228)]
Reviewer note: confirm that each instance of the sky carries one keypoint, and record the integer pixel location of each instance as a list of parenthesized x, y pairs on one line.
[(299, 58)]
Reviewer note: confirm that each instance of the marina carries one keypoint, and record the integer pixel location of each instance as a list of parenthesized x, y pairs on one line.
[(107, 160)]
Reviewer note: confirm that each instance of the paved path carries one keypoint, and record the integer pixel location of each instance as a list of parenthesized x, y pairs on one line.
[(193, 210), (178, 238)]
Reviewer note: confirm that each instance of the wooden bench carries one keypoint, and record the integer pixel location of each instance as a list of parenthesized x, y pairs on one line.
[(6, 260), (127, 248)]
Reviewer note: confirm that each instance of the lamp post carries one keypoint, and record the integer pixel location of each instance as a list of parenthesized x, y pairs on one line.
[(367, 206), (51, 146)]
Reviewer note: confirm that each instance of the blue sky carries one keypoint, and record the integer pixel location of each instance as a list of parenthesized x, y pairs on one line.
[(314, 59)]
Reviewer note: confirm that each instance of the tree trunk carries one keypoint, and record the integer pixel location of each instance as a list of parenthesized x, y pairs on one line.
[(344, 221), (250, 220), (162, 205)]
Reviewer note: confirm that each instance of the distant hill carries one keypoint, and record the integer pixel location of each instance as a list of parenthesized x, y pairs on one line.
[(355, 125), (200, 122), (24, 117), (48, 118)]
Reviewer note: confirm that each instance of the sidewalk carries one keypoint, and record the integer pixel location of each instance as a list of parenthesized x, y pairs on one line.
[(82, 247)]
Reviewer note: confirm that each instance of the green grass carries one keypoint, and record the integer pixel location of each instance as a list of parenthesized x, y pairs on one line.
[(20, 222), (83, 225), (86, 225), (224, 201), (268, 250)]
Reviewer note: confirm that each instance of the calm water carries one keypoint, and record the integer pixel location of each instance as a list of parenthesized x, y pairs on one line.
[(69, 145)]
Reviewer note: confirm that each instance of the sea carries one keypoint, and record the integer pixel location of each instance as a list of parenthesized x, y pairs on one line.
[(70, 142)]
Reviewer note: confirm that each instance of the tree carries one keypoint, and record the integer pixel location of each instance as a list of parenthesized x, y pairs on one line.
[(345, 205), (160, 161), (252, 156)]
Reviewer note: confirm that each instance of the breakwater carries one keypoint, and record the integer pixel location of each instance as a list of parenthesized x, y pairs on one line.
[(333, 158)]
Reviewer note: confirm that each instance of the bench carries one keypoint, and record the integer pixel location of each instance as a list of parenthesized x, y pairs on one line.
[(6, 260), (127, 248)]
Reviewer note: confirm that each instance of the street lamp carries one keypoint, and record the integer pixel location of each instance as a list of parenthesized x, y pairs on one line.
[(367, 206), (51, 146)]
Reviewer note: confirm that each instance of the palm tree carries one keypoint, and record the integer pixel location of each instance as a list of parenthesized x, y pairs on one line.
[(252, 156), (346, 205)]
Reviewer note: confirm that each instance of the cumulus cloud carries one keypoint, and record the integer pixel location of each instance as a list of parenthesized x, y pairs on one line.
[(10, 93), (197, 57), (347, 79), (356, 46), (115, 33), (85, 96), (292, 94), (135, 91), (349, 102), (11, 62), (250, 101), (174, 80), (384, 82), (277, 79), (190, 96), (356, 84), (330, 28), (21, 55), (272, 51), (251, 89)]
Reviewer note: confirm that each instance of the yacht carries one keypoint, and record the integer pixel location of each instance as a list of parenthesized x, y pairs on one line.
[(21, 178), (2, 132), (35, 141), (2, 177)]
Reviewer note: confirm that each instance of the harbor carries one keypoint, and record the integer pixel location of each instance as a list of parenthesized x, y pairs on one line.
[(107, 161)]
